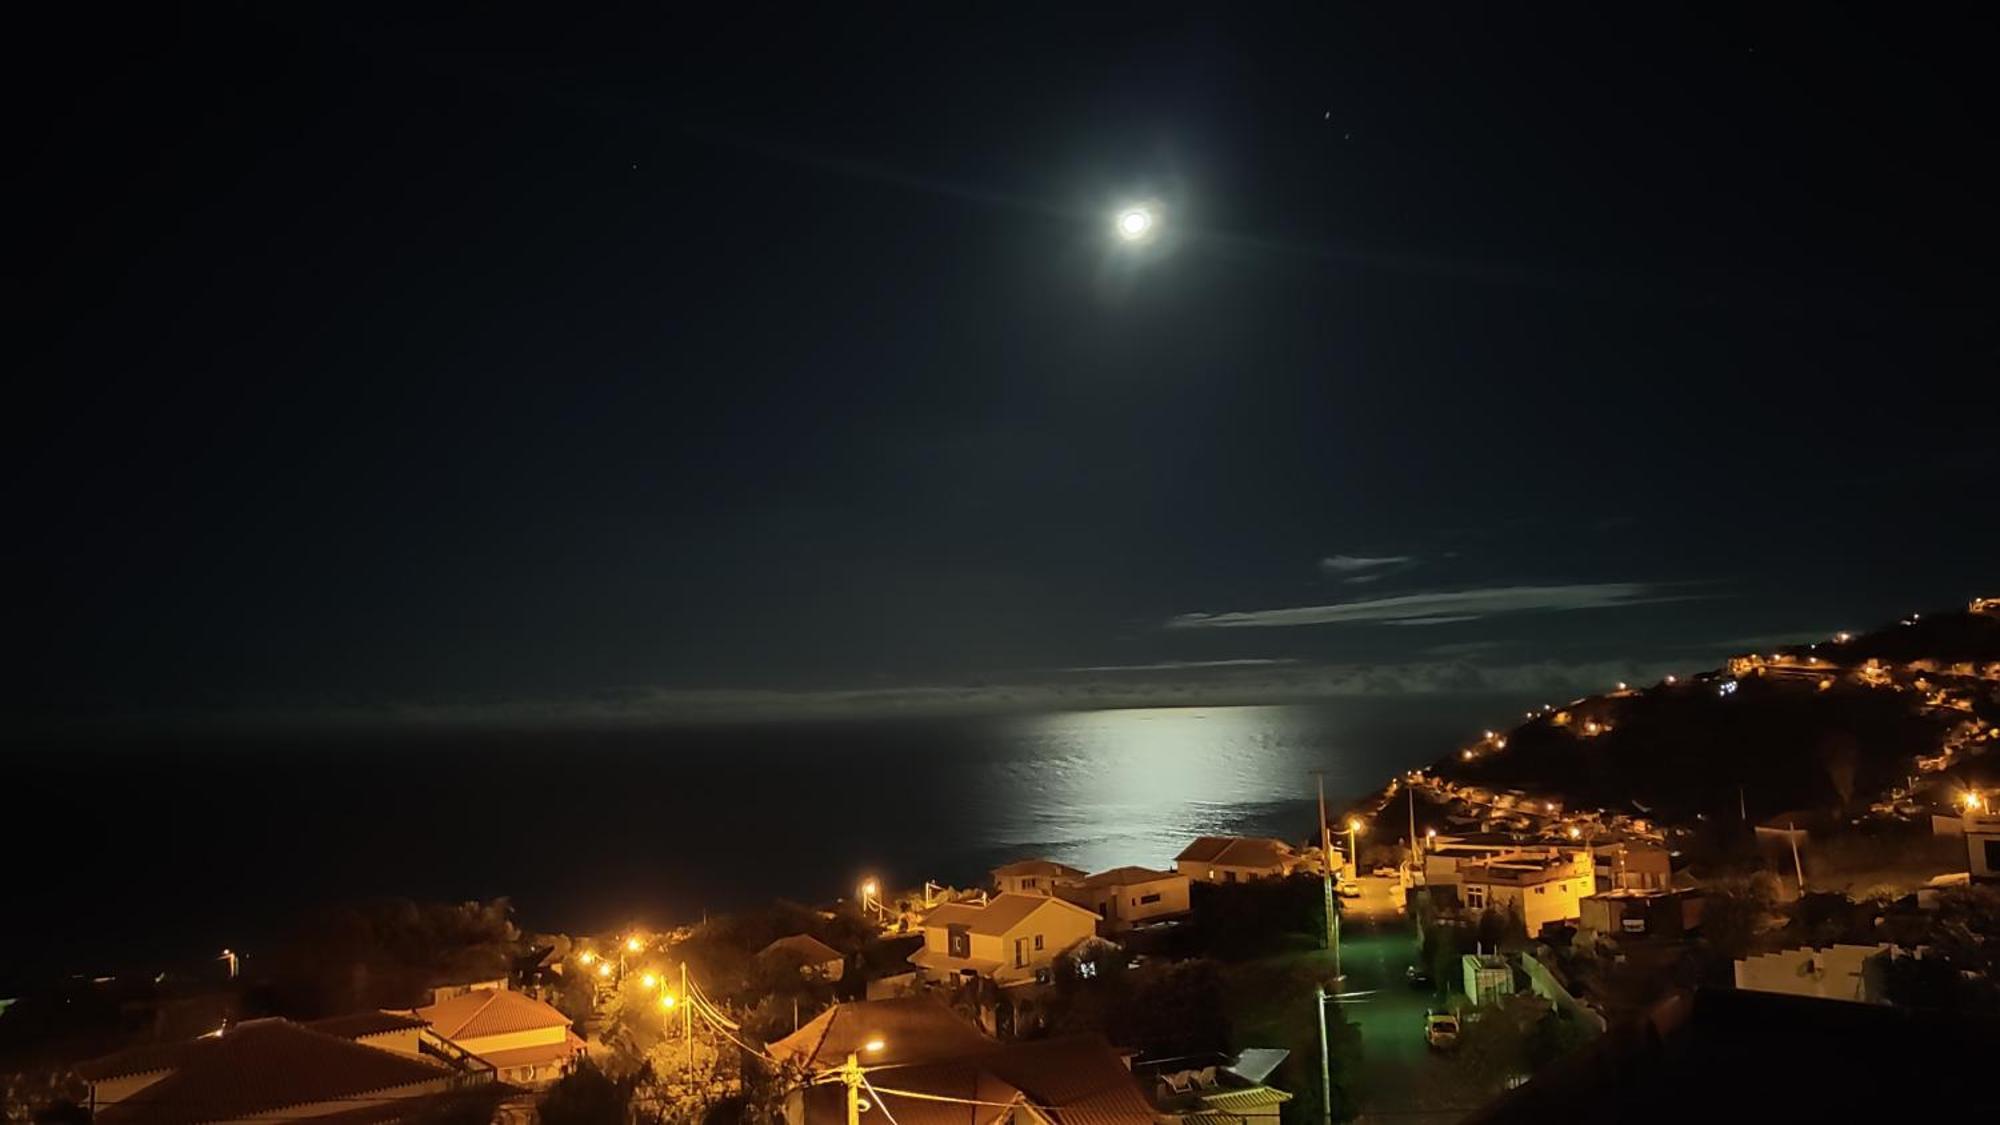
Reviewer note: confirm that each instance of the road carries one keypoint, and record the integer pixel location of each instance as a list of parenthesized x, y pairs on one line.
[(1403, 1080)]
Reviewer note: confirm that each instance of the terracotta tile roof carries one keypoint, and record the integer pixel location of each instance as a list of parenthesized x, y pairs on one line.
[(1076, 1080), (489, 1011), (136, 1060), (265, 1065), (915, 1029), (826, 1104), (809, 949), (167, 1056), (1000, 914), (1128, 876), (357, 1025), (1038, 867), (1237, 851)]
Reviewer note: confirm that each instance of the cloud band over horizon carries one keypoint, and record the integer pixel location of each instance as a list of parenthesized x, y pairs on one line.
[(1439, 607)]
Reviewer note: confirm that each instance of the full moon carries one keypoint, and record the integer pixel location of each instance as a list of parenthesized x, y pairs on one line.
[(1134, 223)]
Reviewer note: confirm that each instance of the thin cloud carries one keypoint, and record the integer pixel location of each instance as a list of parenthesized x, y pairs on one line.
[(1361, 579), (1429, 608), (1347, 564), (1433, 620), (1183, 665)]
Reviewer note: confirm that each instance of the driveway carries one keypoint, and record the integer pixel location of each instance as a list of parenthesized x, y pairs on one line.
[(1403, 1080)]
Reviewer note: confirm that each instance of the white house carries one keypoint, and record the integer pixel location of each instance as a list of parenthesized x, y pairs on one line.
[(1546, 886), (1011, 939), (1034, 876), (1127, 896)]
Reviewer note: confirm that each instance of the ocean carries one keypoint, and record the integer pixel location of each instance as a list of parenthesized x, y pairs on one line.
[(133, 851)]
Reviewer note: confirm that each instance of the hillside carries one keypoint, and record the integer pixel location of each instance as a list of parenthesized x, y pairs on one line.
[(1901, 718)]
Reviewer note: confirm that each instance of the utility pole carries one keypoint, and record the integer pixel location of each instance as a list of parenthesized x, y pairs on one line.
[(1326, 879), (1325, 1061), (1413, 829), (1798, 869), (850, 1074), (687, 1020)]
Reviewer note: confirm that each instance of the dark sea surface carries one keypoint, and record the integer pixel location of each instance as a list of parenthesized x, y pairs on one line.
[(128, 852)]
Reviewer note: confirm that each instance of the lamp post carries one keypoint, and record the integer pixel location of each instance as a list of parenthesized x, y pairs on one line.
[(1325, 1059), (1326, 879)]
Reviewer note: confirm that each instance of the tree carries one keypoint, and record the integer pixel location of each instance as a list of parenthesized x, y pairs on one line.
[(1496, 1048), (587, 1096)]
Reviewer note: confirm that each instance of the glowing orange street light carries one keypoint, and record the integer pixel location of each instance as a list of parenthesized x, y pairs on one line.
[(634, 944), (650, 981), (872, 1046), (586, 957), (604, 968), (667, 1002)]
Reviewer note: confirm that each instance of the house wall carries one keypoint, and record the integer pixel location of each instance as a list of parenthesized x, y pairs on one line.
[(1982, 846), (1029, 884), (513, 1040), (1121, 906), (1558, 900), (1226, 873), (1838, 973), (1059, 929)]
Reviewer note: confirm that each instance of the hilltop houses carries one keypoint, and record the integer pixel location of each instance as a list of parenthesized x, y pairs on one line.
[(1236, 859)]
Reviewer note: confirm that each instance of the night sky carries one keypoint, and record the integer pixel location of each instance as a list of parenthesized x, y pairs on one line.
[(527, 366)]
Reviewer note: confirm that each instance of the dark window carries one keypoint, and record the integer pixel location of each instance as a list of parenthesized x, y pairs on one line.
[(1147, 900), (958, 941), (1038, 942), (1993, 855)]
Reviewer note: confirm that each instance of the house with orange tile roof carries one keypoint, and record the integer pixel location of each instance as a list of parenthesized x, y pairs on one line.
[(815, 957), (1236, 859), (1073, 1080), (274, 1069), (526, 1041), (931, 1066), (1012, 939)]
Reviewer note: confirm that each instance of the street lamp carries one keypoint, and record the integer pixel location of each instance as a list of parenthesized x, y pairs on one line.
[(1353, 856), (634, 945), (851, 1077), (650, 981)]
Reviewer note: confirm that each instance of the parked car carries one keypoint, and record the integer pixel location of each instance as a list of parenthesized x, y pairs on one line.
[(1384, 871), (1350, 890), (1417, 976), (1440, 1030)]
